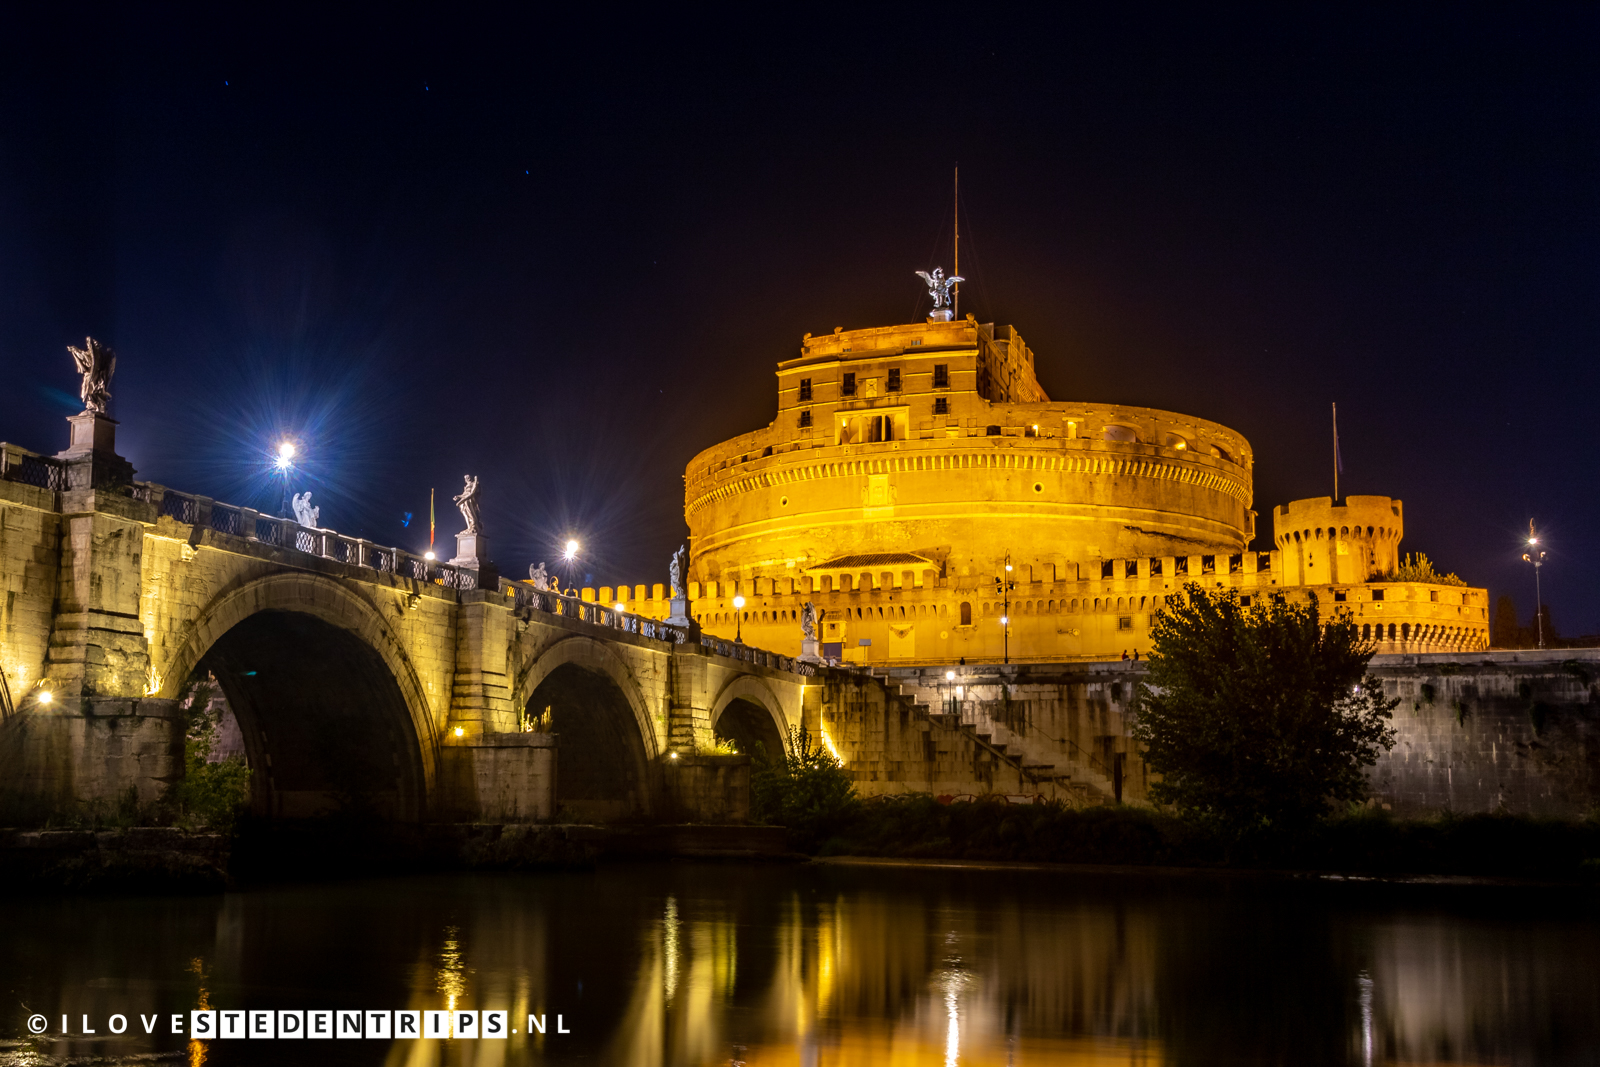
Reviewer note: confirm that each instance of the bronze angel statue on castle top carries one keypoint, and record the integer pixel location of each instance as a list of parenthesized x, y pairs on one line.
[(939, 286), (97, 363)]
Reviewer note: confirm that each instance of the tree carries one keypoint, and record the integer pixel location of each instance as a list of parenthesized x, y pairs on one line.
[(804, 788), (1507, 632), (1257, 718)]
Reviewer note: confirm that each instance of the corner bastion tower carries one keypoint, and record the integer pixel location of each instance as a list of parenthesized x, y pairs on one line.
[(924, 494)]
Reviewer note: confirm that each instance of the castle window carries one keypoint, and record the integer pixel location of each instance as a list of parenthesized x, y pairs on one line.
[(1155, 567), (1130, 569), (1208, 564), (1391, 631), (805, 418), (941, 375), (966, 613), (1180, 566), (894, 380), (941, 405), (993, 431), (1338, 596), (805, 389), (1125, 623), (1366, 631), (1244, 602), (1107, 569), (1263, 561), (1377, 594), (1433, 595), (848, 386), (1235, 564)]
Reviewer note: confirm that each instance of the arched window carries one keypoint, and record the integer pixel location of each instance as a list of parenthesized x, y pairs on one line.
[(1391, 631), (966, 613), (1366, 632)]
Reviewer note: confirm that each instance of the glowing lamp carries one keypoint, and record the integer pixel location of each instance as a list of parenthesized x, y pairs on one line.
[(621, 607), (1005, 620), (572, 549), (45, 696), (672, 755), (738, 602), (949, 676), (428, 555), (460, 732)]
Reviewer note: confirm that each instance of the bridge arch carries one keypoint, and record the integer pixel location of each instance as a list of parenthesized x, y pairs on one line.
[(330, 705), (580, 689), (747, 711)]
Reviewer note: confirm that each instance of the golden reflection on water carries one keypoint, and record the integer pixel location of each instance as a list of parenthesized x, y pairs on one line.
[(197, 1049)]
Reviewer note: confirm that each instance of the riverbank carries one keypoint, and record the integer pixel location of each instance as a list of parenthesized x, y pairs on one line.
[(170, 860), (1364, 844)]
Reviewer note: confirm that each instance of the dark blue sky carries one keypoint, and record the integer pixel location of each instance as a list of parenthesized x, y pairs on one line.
[(565, 255)]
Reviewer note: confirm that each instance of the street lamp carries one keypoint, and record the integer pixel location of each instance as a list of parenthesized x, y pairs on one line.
[(571, 552), (1003, 586), (1535, 556), (738, 628), (284, 464)]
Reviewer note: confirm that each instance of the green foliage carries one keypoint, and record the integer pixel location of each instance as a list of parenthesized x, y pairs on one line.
[(211, 795), (804, 788), (1419, 570), (1257, 719)]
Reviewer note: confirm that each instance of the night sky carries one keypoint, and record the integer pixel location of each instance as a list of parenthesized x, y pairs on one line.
[(565, 255)]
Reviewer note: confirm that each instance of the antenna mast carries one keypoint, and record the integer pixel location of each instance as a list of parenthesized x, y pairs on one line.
[(957, 271)]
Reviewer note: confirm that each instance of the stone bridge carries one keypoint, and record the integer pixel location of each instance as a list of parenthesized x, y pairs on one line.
[(358, 673)]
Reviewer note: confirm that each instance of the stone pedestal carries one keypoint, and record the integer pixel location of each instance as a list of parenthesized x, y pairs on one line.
[(678, 614), (810, 650), (91, 454), (91, 433), (472, 551), (942, 315)]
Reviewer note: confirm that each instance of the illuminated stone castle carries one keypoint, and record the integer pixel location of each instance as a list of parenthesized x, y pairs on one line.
[(914, 472)]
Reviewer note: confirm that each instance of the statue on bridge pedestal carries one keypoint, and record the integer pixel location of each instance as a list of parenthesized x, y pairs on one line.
[(678, 569), (97, 363), (810, 647), (468, 503), (304, 513), (539, 577)]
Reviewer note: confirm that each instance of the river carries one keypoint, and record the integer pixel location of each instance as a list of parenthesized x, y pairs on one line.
[(689, 964)]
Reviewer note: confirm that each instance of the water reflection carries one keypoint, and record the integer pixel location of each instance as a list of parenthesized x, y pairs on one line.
[(702, 965)]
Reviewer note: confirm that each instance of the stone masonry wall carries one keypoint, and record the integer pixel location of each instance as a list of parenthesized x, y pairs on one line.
[(1517, 732)]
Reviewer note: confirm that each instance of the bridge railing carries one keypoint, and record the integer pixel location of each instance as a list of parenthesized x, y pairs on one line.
[(287, 533), (570, 607), (30, 468), (758, 656)]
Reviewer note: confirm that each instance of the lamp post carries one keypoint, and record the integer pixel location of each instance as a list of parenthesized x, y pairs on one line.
[(1535, 556), (1003, 586), (285, 464), (738, 615)]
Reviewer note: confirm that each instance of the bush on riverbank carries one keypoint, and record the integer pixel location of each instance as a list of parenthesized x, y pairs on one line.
[(805, 789), (1360, 842)]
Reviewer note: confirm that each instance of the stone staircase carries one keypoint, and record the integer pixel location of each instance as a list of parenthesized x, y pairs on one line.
[(1081, 778)]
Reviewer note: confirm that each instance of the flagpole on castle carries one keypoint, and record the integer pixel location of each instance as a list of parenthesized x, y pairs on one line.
[(1336, 452), (957, 272)]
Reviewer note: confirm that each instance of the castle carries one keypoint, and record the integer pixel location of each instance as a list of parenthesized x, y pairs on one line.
[(920, 489)]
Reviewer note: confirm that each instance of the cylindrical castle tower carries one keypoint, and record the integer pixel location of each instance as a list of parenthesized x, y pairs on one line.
[(1323, 543), (930, 451)]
